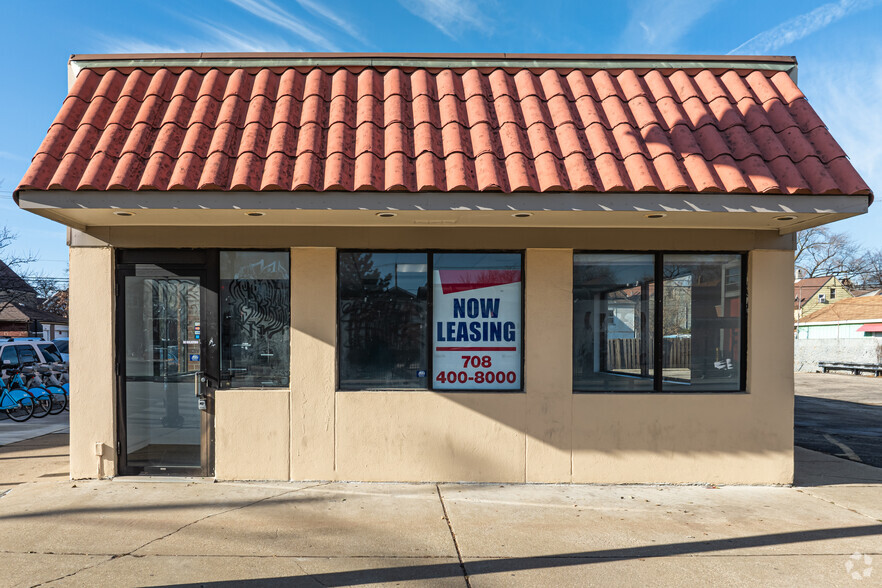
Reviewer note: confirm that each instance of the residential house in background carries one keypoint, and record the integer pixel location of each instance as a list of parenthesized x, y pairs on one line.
[(854, 318), (21, 311), (849, 331), (813, 294)]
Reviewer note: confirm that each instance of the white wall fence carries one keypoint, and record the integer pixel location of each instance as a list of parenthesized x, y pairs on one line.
[(808, 352)]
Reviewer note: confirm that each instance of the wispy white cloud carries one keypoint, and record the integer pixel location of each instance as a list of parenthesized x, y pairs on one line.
[(845, 94), (214, 38), (801, 26), (449, 16), (338, 21), (275, 14), (843, 87), (224, 38), (12, 157), (129, 45), (657, 26)]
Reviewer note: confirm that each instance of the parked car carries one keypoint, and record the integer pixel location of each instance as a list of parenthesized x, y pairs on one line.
[(62, 345), (18, 352)]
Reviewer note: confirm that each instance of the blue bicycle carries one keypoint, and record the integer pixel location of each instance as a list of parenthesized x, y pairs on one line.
[(18, 404), (45, 377), (42, 397)]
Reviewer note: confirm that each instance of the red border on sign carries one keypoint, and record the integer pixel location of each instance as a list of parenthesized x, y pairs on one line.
[(453, 281), (476, 349)]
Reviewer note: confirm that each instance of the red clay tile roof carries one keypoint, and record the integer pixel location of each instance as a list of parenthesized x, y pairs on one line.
[(416, 128)]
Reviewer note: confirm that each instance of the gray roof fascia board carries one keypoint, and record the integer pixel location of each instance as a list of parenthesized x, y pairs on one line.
[(462, 201), (443, 61)]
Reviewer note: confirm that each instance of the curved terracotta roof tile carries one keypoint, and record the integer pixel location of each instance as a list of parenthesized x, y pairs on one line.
[(416, 129)]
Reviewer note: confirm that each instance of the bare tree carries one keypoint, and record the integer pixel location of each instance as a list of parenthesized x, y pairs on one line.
[(872, 275), (821, 252), (14, 288)]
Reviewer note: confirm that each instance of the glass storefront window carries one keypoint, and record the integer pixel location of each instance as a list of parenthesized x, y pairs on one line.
[(385, 329), (701, 326), (622, 333), (382, 320), (255, 306), (613, 311)]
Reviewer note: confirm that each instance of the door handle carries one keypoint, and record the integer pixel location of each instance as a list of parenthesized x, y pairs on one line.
[(199, 379), (201, 399)]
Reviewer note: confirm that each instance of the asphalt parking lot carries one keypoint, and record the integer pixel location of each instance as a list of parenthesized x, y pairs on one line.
[(840, 415)]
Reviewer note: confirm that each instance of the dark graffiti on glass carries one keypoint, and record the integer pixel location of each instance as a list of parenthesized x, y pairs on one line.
[(255, 318)]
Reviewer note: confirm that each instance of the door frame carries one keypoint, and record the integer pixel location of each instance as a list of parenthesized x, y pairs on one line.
[(202, 262)]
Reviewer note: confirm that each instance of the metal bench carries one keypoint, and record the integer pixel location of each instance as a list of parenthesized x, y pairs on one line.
[(855, 368)]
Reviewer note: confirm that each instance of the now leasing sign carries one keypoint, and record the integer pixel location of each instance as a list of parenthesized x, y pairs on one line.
[(477, 330)]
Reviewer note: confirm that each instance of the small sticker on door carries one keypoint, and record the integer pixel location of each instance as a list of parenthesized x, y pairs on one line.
[(194, 357)]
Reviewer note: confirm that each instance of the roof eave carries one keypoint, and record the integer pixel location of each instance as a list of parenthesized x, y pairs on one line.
[(79, 62), (782, 213)]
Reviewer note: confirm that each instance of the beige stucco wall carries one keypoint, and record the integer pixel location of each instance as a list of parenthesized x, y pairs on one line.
[(546, 434), (92, 377), (548, 361), (313, 363), (252, 431), (719, 438)]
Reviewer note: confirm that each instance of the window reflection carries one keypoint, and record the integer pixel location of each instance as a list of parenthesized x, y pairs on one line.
[(701, 325), (613, 302), (255, 318), (383, 306)]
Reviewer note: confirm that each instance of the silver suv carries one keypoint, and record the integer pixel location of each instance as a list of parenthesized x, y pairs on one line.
[(15, 353)]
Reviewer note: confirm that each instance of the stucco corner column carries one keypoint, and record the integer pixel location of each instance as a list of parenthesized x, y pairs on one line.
[(313, 362), (548, 364), (770, 362), (93, 414)]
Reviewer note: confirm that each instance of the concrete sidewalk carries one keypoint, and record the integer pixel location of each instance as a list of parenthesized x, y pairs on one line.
[(13, 432), (141, 531)]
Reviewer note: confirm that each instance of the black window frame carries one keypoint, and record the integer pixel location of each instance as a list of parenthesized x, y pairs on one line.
[(225, 384), (430, 293), (208, 258), (658, 326)]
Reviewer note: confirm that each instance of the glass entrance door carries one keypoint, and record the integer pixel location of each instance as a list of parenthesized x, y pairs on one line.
[(165, 395)]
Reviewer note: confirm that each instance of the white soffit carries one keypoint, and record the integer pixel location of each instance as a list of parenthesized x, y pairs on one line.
[(87, 208)]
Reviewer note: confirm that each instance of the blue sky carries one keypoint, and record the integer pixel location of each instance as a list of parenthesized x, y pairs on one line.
[(837, 45)]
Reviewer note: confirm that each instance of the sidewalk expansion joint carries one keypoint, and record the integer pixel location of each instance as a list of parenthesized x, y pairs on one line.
[(74, 573), (276, 556), (465, 574), (807, 492), (181, 528), (221, 512)]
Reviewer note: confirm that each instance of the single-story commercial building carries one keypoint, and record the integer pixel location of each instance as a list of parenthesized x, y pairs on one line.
[(507, 268)]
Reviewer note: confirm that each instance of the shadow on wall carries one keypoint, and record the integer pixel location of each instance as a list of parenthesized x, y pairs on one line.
[(722, 422)]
